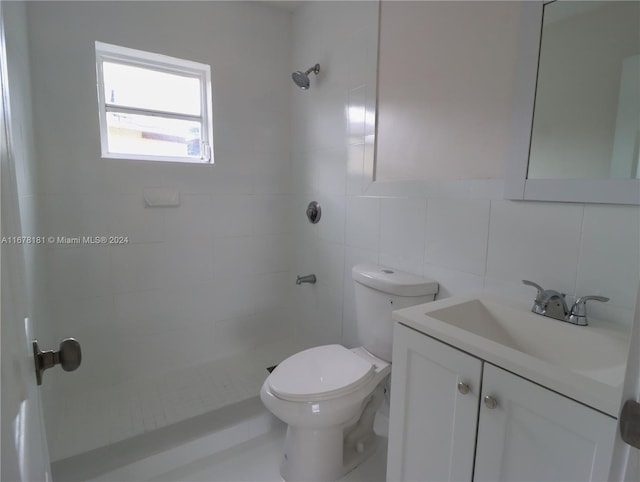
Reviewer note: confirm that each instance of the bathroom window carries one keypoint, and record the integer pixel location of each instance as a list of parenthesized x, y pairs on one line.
[(153, 107)]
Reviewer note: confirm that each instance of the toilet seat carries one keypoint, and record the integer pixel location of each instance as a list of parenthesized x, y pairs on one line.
[(320, 373)]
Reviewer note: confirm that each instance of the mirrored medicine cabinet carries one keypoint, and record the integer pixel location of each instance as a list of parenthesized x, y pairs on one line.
[(575, 130)]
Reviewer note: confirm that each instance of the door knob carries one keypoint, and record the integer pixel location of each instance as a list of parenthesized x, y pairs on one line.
[(630, 423), (69, 357)]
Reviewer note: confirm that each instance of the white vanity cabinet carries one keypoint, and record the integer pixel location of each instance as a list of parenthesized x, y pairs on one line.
[(441, 431), (432, 430)]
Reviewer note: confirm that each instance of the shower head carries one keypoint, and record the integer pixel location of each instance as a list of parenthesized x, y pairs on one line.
[(302, 78)]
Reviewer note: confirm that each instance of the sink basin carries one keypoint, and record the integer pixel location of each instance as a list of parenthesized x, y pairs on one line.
[(586, 363)]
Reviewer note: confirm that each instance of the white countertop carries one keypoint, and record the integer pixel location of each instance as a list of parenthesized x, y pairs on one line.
[(585, 363)]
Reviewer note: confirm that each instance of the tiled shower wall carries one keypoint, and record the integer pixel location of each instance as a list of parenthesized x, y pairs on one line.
[(332, 133), (461, 233), (201, 281)]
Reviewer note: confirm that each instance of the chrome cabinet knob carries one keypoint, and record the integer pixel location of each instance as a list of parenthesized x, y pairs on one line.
[(463, 388), (490, 402)]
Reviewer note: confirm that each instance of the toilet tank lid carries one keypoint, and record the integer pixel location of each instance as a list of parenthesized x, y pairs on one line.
[(393, 281)]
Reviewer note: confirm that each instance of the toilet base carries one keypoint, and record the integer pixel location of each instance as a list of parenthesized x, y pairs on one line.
[(326, 454)]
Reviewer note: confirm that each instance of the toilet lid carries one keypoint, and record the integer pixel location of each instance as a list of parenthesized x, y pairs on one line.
[(320, 373)]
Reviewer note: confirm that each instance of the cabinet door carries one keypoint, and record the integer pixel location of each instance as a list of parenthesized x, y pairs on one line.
[(534, 434), (432, 427)]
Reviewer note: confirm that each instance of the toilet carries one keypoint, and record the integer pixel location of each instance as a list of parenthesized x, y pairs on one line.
[(328, 395)]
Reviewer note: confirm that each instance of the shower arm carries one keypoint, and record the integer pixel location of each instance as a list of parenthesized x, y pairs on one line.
[(315, 69)]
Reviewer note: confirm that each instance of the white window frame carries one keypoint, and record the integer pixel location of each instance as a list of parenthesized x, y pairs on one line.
[(163, 63)]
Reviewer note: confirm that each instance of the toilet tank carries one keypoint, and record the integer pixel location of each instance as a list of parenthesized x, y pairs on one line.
[(379, 291)]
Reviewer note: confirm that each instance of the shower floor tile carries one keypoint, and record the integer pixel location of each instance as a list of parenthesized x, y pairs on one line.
[(109, 415)]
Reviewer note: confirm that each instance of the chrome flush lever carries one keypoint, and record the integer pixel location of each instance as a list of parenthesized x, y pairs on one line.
[(68, 357)]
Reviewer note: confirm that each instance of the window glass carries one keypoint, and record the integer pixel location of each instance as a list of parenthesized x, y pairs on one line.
[(144, 88), (156, 136)]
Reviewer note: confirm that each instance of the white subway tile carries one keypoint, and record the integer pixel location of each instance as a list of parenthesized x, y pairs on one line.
[(139, 267), (271, 214), (233, 297), (143, 313), (328, 170), (189, 263), (271, 253), (74, 216), (402, 232), (363, 223), (130, 218), (451, 282), (356, 181), (232, 258), (535, 241), (609, 263), (457, 234), (79, 273), (192, 220)]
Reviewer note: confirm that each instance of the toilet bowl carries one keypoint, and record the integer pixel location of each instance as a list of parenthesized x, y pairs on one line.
[(322, 394), (328, 395)]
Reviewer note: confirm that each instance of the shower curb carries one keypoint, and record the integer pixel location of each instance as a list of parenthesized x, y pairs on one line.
[(159, 451)]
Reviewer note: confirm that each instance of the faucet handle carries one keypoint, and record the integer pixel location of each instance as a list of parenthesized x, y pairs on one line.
[(535, 285), (537, 306), (578, 313)]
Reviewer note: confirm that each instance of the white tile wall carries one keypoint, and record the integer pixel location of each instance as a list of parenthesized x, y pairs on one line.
[(196, 282), (363, 223), (609, 255), (402, 232), (457, 232), (536, 241)]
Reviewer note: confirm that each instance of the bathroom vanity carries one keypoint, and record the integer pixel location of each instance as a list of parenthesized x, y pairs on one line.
[(483, 389)]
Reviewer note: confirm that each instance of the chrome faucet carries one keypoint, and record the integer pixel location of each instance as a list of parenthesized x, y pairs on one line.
[(310, 278), (552, 304)]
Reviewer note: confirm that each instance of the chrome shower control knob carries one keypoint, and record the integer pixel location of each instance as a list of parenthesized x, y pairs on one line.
[(490, 402), (463, 388), (314, 212)]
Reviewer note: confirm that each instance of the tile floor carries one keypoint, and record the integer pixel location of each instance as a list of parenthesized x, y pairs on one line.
[(240, 442), (107, 416), (257, 461)]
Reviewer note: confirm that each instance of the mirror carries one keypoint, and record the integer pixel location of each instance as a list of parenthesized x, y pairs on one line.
[(581, 105), (587, 95)]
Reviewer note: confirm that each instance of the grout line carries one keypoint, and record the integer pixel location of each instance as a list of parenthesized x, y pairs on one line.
[(486, 250), (580, 252)]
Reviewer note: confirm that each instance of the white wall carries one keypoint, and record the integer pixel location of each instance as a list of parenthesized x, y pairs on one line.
[(445, 84), (461, 233), (197, 282)]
